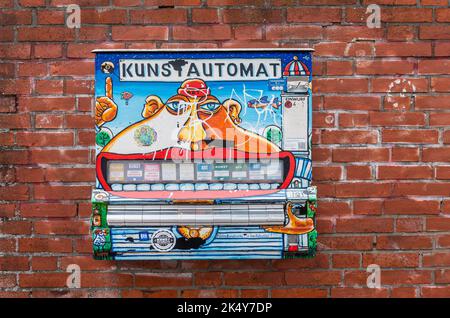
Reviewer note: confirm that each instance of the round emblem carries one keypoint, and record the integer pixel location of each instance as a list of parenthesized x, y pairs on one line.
[(273, 134), (145, 135), (107, 67), (163, 240), (288, 104)]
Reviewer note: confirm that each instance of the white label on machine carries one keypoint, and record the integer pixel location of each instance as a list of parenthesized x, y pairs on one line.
[(187, 171), (295, 122), (169, 172), (151, 172)]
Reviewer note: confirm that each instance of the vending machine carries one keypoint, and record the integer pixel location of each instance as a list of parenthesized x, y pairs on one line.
[(203, 154)]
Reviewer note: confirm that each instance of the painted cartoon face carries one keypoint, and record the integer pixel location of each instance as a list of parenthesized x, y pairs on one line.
[(192, 123)]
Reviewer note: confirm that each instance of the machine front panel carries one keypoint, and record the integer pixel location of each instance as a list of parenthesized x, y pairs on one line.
[(203, 154)]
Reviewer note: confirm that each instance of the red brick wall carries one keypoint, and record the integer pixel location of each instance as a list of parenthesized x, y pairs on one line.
[(382, 161)]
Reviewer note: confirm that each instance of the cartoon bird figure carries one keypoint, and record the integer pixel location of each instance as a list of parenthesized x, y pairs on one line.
[(105, 107), (126, 96)]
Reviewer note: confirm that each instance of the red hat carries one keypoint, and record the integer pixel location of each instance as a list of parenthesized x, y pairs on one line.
[(193, 87)]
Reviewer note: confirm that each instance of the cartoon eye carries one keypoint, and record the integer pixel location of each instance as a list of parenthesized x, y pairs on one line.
[(210, 106), (175, 106)]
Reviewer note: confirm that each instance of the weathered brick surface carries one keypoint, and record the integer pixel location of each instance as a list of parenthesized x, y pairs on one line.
[(381, 145)]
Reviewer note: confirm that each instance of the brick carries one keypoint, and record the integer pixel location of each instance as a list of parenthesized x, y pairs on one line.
[(247, 32), (436, 259), (45, 34), (66, 192), (347, 85), (214, 32), (26, 174), (349, 137), (7, 280), (300, 293), (293, 32), (410, 136), (434, 32), (15, 121), (346, 260), (384, 67), (350, 292), (7, 70), (43, 139), (401, 32), (47, 51), (15, 87), (311, 278), (364, 225), (209, 293), (441, 154), (100, 33), (421, 188), (405, 154), (50, 87), (322, 15), (50, 17), (46, 103), (208, 279), (205, 15), (59, 156), (15, 227), (71, 68), (327, 173), (332, 208), (15, 51), (32, 69), (79, 87), (443, 173), (43, 280), (352, 33), (339, 67), (359, 173), (158, 16), (353, 243), (441, 49), (394, 259), (440, 224), (247, 15), (396, 119), (352, 103), (407, 15), (164, 279), (436, 66), (440, 84), (48, 121), (70, 174), (149, 293), (367, 207), (7, 210), (353, 120), (47, 210), (61, 227), (403, 242), (360, 154), (15, 192), (435, 291), (44, 263), (403, 49), (53, 245), (14, 263), (139, 33), (407, 172), (79, 121)]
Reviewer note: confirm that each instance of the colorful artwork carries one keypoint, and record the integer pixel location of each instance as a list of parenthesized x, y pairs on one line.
[(203, 155)]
